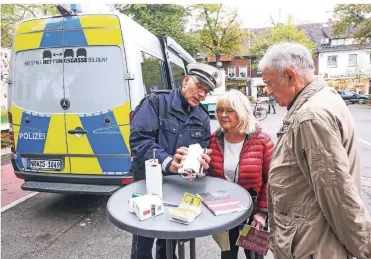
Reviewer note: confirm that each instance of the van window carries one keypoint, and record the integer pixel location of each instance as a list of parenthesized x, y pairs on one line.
[(38, 84), (178, 74), (96, 82), (91, 78), (151, 72)]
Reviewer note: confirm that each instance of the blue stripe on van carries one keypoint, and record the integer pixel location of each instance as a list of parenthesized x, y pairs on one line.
[(29, 138), (71, 22), (74, 38), (67, 37), (52, 39), (107, 139), (54, 24)]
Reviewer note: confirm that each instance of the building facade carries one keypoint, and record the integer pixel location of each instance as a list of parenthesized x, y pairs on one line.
[(338, 59)]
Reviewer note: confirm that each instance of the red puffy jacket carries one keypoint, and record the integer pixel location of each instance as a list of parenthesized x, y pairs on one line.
[(253, 170)]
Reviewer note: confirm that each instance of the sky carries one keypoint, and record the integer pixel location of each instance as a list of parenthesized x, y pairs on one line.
[(256, 13)]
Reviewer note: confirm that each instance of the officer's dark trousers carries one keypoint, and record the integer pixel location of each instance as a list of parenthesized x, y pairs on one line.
[(142, 248)]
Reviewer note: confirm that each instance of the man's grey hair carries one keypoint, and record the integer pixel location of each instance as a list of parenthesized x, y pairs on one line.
[(288, 54)]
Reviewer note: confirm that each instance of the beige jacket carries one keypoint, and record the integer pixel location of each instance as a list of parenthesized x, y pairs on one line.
[(314, 205)]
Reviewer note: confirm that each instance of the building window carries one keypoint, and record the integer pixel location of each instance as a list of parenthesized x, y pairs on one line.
[(337, 42), (352, 60), (332, 61), (151, 73), (243, 71), (231, 71)]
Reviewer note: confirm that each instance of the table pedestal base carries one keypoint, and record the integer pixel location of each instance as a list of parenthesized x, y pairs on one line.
[(181, 251)]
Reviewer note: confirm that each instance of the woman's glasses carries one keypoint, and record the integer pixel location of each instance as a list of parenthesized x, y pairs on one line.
[(221, 111)]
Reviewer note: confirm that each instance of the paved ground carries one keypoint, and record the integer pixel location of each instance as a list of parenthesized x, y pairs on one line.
[(69, 226)]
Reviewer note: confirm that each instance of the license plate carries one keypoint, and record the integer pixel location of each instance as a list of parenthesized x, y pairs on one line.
[(44, 164), (211, 107)]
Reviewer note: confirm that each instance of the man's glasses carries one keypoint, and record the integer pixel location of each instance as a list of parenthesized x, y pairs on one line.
[(200, 88), (227, 112)]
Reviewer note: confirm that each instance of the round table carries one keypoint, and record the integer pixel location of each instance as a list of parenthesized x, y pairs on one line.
[(174, 187)]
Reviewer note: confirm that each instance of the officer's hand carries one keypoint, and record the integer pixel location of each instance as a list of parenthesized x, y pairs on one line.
[(175, 164), (205, 159)]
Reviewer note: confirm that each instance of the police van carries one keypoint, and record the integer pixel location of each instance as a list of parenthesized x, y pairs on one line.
[(73, 81)]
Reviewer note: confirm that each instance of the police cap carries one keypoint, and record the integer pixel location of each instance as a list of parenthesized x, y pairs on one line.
[(208, 74)]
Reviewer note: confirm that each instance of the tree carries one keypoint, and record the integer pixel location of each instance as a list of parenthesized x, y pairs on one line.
[(353, 15), (13, 14), (163, 20), (280, 33), (220, 34)]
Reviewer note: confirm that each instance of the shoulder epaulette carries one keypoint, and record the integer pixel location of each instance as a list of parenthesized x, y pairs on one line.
[(162, 92)]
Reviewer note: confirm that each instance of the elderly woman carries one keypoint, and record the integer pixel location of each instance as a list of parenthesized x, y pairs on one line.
[(241, 153)]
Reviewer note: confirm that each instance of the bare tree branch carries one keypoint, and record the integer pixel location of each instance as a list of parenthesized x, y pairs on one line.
[(226, 28), (28, 9), (213, 34), (210, 48), (217, 16)]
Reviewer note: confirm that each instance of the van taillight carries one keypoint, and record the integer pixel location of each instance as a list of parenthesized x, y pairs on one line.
[(11, 134), (126, 181)]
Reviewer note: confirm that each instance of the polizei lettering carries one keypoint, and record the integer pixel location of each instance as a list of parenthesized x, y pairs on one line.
[(32, 135)]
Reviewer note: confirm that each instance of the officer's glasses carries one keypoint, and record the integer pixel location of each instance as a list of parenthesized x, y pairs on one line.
[(227, 112), (200, 88)]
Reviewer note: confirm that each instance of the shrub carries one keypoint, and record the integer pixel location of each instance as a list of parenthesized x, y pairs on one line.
[(5, 142)]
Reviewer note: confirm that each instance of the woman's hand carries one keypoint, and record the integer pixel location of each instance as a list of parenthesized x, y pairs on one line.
[(205, 159), (259, 221)]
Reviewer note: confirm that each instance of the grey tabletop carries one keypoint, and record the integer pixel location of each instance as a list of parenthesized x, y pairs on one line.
[(173, 189)]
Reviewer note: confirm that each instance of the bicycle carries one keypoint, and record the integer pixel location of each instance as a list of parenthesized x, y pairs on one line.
[(259, 112)]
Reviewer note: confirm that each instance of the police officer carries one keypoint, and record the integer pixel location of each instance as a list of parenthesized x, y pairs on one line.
[(169, 121)]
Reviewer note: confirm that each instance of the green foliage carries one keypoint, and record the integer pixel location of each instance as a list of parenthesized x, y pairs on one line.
[(13, 14), (281, 33), (163, 20), (353, 15), (221, 33), (4, 116)]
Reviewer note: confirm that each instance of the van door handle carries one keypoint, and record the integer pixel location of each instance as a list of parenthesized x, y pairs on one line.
[(77, 131)]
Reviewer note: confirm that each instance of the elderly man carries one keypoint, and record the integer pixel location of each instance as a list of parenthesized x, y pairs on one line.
[(314, 205), (167, 121)]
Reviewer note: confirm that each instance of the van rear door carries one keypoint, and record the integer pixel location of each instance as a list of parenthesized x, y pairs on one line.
[(97, 119), (38, 118)]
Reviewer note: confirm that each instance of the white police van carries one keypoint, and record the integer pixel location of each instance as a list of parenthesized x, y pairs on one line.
[(73, 81)]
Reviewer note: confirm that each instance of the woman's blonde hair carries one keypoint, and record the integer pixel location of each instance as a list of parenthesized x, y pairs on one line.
[(241, 104)]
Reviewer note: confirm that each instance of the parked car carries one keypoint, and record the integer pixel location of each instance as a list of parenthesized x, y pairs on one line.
[(210, 103), (352, 97)]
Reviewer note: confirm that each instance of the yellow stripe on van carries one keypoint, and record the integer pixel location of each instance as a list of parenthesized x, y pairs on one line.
[(27, 41), (80, 145), (33, 25), (56, 139), (103, 36), (121, 114), (17, 117), (99, 21)]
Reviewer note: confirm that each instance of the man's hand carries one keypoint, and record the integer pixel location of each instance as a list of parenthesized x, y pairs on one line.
[(183, 151), (175, 164), (259, 221)]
